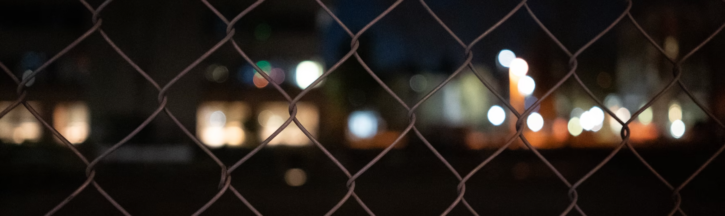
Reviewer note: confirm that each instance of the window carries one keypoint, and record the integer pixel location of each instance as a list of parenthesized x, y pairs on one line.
[(274, 114), (19, 125), (222, 123)]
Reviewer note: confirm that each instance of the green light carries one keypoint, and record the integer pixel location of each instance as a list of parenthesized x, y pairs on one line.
[(262, 32), (265, 66)]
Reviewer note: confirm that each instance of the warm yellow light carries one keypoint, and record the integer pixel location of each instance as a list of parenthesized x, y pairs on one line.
[(624, 115), (220, 123), (675, 112), (234, 134), (574, 127), (646, 116), (72, 120), (213, 136), (274, 114), (19, 125), (295, 177), (672, 48)]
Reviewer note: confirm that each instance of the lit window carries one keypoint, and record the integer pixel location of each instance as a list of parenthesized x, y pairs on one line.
[(19, 125), (72, 121), (222, 123), (274, 114)]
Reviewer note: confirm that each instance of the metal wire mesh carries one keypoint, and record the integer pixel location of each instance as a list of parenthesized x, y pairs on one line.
[(411, 130)]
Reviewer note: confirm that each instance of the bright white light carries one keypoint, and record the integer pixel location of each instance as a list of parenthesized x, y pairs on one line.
[(675, 112), (646, 116), (624, 115), (598, 114), (505, 57), (677, 129), (586, 121), (363, 124), (518, 67), (574, 127), (307, 72), (496, 115), (597, 118), (526, 86), (295, 177), (217, 119), (535, 122)]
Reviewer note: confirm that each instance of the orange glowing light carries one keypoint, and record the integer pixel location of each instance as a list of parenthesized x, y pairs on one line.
[(560, 130), (475, 140), (259, 80), (641, 132), (537, 139), (381, 140)]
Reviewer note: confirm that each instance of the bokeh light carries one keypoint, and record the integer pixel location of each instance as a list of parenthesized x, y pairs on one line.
[(677, 129), (295, 177), (277, 75), (213, 136), (675, 112), (220, 123), (646, 116), (574, 126), (576, 112), (259, 80), (234, 134), (217, 119), (496, 115), (526, 86), (612, 100), (559, 129), (518, 67), (418, 83), (505, 57), (624, 115), (597, 116), (217, 73), (72, 120), (307, 72), (535, 121), (363, 124), (586, 120)]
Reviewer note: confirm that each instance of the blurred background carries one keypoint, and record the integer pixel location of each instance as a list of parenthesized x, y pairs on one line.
[(94, 98)]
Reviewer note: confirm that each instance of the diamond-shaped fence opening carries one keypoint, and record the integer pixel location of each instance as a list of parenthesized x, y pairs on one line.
[(361, 108)]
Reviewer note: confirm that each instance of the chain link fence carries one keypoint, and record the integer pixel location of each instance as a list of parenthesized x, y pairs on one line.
[(225, 185)]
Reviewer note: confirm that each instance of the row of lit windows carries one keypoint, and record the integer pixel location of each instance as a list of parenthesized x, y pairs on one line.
[(71, 119), (219, 123), (222, 123)]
